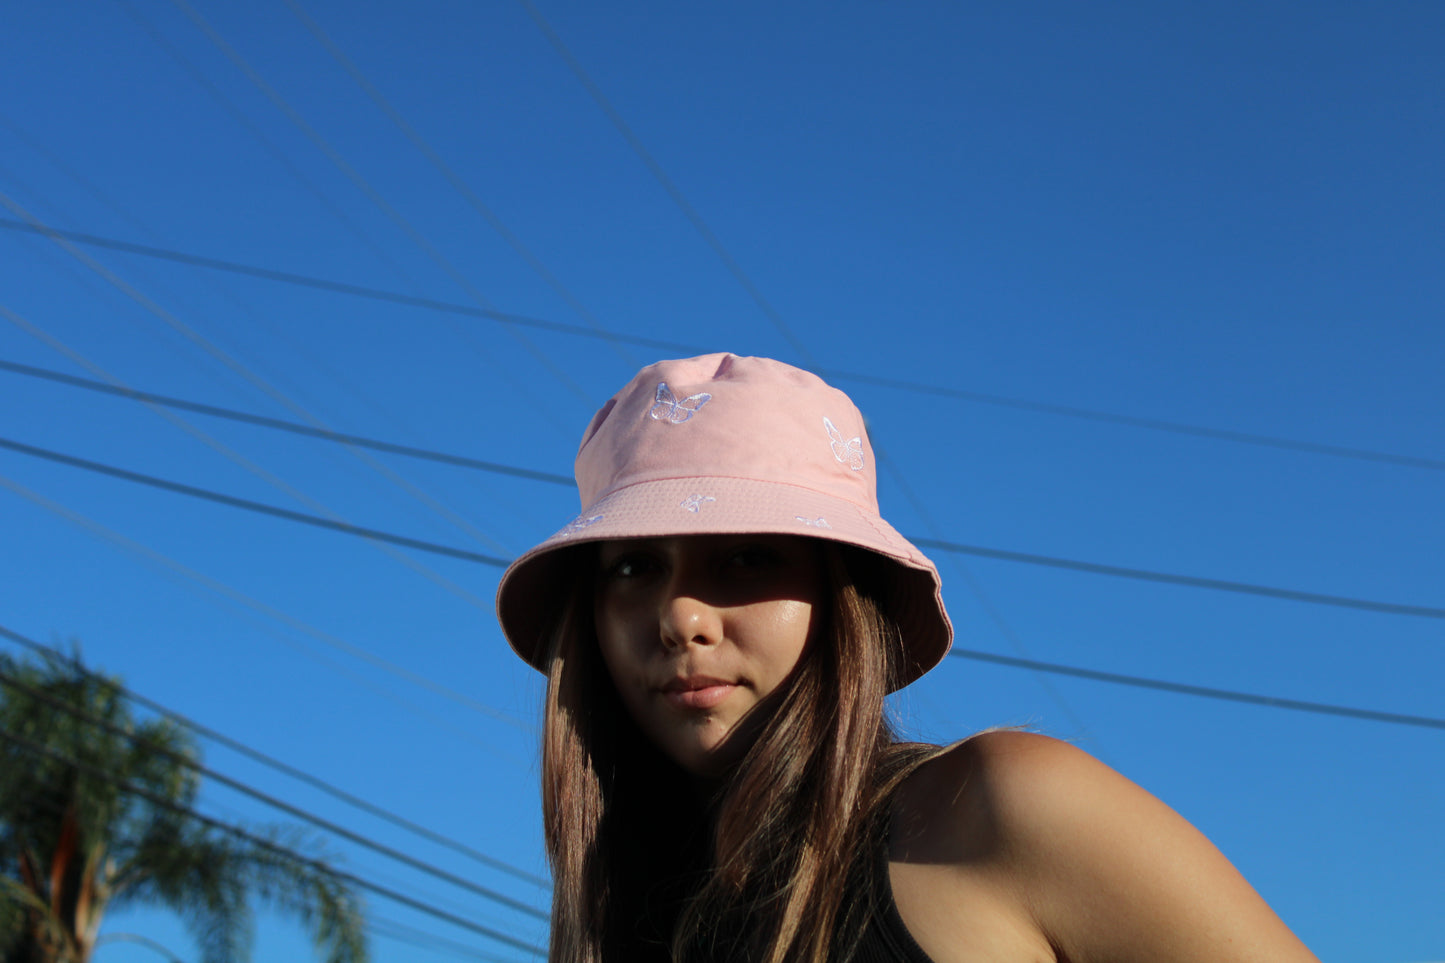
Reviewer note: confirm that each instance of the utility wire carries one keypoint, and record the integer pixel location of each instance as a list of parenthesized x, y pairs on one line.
[(410, 936), (275, 803), (248, 505), (713, 241), (366, 188), (59, 164), (269, 477), (234, 595), (96, 772), (1133, 421), (57, 808), (736, 270), (968, 577), (455, 180), (690, 212), (140, 941), (482, 355), (215, 411), (294, 811), (234, 365), (1193, 581), (271, 762), (342, 287), (253, 316), (1322, 708), (975, 587), (277, 154), (1147, 575), (678, 348), (992, 611)]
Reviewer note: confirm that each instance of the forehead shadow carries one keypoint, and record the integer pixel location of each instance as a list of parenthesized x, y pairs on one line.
[(802, 573)]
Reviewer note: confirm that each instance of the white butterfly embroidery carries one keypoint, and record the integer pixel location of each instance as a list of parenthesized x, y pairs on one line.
[(694, 502), (578, 524), (813, 522), (669, 409), (847, 451)]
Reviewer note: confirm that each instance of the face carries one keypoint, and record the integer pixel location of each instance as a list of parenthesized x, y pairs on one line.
[(698, 630)]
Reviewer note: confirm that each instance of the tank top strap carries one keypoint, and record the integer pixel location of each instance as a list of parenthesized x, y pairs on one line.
[(886, 939)]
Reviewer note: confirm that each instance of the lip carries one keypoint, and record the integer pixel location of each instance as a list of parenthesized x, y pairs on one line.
[(697, 691)]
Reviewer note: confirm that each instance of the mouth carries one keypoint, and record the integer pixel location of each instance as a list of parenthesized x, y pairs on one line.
[(697, 692)]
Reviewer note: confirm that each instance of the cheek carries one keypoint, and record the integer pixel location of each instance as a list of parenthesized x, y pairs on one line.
[(620, 662), (614, 657), (796, 621), (790, 628), (609, 635)]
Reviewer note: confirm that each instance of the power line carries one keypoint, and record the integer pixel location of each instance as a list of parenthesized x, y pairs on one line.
[(267, 476), (140, 941), (215, 411), (1207, 692), (326, 638), (271, 762), (263, 843), (288, 770), (342, 287), (690, 212), (294, 811), (352, 174), (56, 807), (682, 348), (295, 839), (400, 933), (195, 74), (713, 241), (558, 479), (250, 506), (278, 155), (1193, 581), (1153, 424), (1146, 575), (214, 284), (215, 351), (454, 179)]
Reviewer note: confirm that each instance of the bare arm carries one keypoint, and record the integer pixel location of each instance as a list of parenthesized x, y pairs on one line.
[(1098, 868)]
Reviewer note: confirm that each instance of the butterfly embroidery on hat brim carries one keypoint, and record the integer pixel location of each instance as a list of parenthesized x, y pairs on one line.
[(847, 451), (693, 503), (668, 408), (578, 524)]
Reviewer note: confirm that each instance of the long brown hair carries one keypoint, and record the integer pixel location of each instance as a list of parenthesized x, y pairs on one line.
[(778, 867)]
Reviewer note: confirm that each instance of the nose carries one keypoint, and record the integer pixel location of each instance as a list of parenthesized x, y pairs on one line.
[(685, 620)]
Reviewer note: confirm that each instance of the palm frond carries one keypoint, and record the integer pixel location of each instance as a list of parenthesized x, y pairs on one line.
[(107, 807)]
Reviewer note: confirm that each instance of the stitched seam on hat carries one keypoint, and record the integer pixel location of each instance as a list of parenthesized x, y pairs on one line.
[(700, 479)]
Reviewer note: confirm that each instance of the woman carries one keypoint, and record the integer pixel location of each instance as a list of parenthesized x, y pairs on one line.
[(719, 627)]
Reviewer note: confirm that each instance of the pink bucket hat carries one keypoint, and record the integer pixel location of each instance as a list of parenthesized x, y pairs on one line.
[(720, 444)]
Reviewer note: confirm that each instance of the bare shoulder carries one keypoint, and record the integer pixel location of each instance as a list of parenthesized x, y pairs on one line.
[(1099, 867)]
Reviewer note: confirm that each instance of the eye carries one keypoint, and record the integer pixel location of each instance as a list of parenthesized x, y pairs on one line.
[(750, 557), (628, 567)]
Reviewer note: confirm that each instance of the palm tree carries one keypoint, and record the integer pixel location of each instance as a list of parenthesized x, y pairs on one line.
[(97, 813)]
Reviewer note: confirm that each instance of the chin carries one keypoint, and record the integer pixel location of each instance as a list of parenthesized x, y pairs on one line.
[(712, 761), (716, 759)]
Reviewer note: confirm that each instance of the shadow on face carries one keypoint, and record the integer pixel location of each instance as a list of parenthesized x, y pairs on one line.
[(699, 634)]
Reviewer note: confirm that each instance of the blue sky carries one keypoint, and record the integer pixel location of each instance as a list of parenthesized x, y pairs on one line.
[(1226, 216)]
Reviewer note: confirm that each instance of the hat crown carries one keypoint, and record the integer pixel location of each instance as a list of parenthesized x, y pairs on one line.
[(725, 416), (726, 445)]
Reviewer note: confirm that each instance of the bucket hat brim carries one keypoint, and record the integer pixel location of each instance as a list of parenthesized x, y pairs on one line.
[(753, 446)]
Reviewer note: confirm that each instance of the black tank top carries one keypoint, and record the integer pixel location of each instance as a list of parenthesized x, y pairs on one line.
[(886, 939)]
